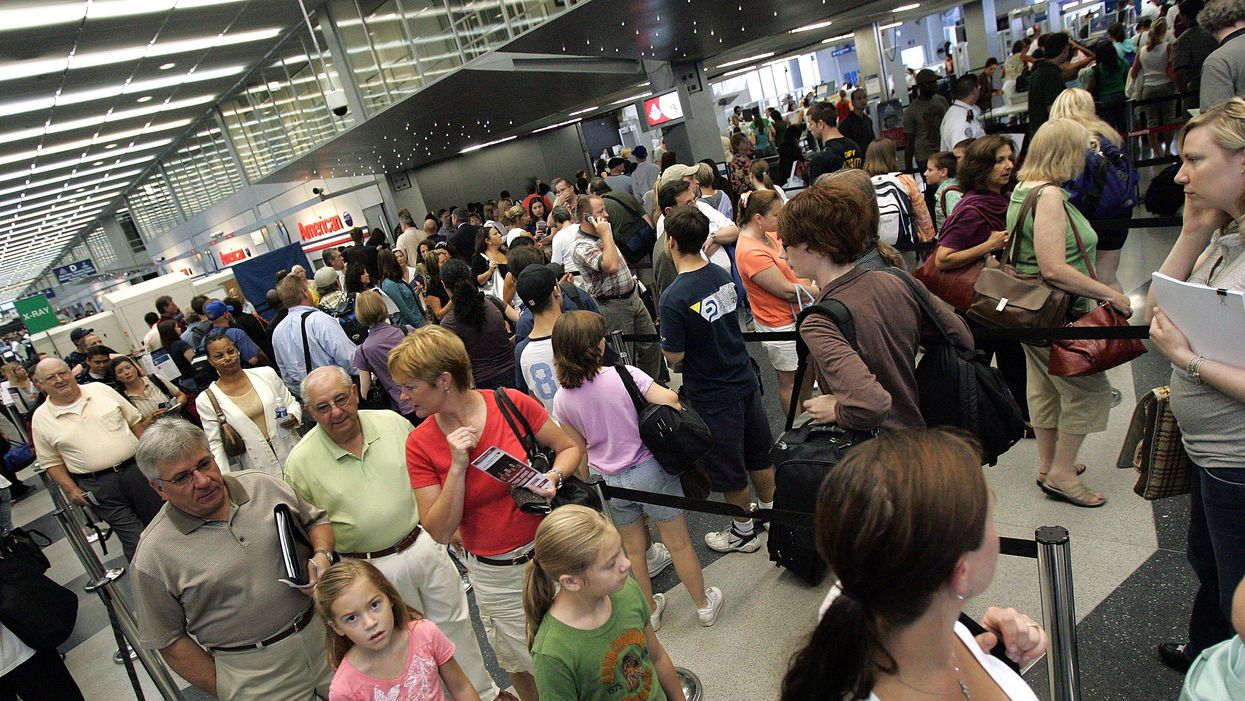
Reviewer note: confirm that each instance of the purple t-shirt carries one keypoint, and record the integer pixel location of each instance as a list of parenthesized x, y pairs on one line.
[(420, 681), (373, 356), (970, 223), (601, 410)]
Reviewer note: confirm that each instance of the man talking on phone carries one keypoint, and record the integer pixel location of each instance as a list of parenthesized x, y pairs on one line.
[(607, 278)]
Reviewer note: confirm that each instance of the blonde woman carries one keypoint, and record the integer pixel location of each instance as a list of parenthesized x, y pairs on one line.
[(1150, 67), (1078, 105), (1063, 410), (881, 159)]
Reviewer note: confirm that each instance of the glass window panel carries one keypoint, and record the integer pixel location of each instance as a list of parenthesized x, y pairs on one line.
[(102, 252), (152, 207)]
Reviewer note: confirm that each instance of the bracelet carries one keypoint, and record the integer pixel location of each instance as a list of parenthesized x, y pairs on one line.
[(326, 553), (561, 479), (1195, 368)]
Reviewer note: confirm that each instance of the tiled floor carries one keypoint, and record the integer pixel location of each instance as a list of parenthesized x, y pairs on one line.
[(1132, 584)]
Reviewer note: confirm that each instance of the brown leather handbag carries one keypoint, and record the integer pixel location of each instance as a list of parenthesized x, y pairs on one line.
[(955, 286), (1086, 356), (1004, 297), (233, 443)]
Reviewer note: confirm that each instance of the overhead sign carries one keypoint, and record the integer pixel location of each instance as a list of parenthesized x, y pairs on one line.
[(237, 254), (317, 229), (663, 109), (75, 271), (843, 50), (36, 313), (50, 293)]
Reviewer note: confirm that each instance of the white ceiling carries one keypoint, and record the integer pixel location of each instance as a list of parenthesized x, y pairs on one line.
[(92, 92)]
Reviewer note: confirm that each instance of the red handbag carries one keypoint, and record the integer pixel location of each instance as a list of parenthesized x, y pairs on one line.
[(1086, 356), (955, 286)]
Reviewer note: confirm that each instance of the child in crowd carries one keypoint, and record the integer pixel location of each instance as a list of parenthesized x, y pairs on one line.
[(1219, 672), (940, 174), (380, 647), (587, 621)]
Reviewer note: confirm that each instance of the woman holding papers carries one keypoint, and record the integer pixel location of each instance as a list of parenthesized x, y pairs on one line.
[(1208, 397), (460, 423), (1062, 410)]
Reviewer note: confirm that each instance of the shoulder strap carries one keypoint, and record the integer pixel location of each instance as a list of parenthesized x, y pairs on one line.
[(837, 312), (634, 212), (215, 406), (569, 289), (924, 302), (514, 418), (942, 199), (1026, 208), (306, 345), (632, 388)]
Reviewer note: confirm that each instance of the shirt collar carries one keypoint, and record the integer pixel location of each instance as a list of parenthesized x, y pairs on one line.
[(370, 436), (1232, 36), (187, 524)]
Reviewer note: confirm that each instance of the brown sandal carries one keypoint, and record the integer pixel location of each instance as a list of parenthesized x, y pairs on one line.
[(1078, 495), (1080, 470)]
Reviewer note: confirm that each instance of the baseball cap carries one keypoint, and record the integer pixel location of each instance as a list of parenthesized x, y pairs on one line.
[(557, 269), (326, 277), (215, 309), (535, 285), (678, 171), (79, 334), (639, 152), (925, 75)]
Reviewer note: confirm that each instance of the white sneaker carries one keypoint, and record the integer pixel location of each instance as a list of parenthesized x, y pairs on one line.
[(709, 614), (658, 558), (728, 540), (655, 617)]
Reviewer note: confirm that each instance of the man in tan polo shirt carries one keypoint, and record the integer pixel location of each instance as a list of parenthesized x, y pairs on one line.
[(206, 589), (85, 436)]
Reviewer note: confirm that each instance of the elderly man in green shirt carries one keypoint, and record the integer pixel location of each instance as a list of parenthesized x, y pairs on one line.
[(353, 465)]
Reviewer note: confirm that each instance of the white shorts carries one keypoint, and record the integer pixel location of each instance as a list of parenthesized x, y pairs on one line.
[(781, 353)]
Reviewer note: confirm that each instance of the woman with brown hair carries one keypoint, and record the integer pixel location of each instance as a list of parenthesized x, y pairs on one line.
[(881, 158), (906, 521)]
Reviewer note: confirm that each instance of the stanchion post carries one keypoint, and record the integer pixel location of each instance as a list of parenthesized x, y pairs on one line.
[(102, 582), (595, 481), (1059, 612)]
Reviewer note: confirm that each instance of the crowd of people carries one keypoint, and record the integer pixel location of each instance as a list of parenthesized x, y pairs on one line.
[(364, 404)]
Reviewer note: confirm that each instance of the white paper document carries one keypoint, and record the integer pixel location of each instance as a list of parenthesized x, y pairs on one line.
[(1212, 319), (505, 467)]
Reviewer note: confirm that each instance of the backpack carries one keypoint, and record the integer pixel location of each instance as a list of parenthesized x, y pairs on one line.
[(201, 371), (1108, 187), (897, 224), (1164, 197), (638, 242)]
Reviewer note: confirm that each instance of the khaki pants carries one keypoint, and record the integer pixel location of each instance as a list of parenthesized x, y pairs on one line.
[(499, 594), (629, 315), (294, 669), (429, 582)]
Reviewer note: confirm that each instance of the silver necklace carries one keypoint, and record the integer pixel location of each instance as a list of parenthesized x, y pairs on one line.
[(959, 680)]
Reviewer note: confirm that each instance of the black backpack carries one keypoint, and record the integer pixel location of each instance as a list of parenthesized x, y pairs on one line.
[(1164, 196)]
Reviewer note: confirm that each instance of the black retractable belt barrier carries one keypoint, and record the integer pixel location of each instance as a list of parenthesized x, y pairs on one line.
[(1138, 331)]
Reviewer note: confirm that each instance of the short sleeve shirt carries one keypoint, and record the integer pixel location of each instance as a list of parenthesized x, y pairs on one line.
[(89, 435), (420, 680), (753, 257), (491, 523), (602, 412), (923, 121), (536, 373), (698, 319), (587, 253)]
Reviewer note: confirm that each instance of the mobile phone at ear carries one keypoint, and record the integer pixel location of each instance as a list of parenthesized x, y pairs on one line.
[(592, 219)]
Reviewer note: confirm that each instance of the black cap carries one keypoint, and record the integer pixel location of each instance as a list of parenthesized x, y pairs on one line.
[(79, 334), (535, 285)]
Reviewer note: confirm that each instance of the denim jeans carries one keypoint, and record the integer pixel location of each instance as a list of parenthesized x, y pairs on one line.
[(1216, 551)]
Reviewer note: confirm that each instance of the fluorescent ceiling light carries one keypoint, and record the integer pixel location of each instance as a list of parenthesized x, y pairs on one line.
[(86, 143), (144, 86), (29, 196), (167, 66), (145, 98), (811, 27), (905, 8), (49, 15), (841, 37), (583, 111), (738, 61), (633, 98), (892, 25), (737, 71), (559, 124), (477, 147), (59, 165)]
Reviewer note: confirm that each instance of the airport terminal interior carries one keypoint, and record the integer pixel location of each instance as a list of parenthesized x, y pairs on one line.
[(154, 147)]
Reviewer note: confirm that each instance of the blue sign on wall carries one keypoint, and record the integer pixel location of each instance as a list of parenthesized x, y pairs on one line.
[(75, 271), (50, 292), (843, 50)]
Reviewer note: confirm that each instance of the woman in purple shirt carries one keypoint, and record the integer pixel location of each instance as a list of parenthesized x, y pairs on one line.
[(977, 228), (372, 356)]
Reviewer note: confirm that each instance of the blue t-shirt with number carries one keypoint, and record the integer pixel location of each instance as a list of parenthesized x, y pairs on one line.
[(699, 319), (533, 369)]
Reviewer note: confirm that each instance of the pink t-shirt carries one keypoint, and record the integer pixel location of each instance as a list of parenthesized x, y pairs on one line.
[(420, 681), (601, 410)]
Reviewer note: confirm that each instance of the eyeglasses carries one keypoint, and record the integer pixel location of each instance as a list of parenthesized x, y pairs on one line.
[(338, 402), (181, 479)]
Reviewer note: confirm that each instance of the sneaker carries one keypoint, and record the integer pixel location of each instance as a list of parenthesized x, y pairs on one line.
[(757, 526), (658, 558), (1175, 656), (118, 657), (709, 614), (728, 540), (655, 617)]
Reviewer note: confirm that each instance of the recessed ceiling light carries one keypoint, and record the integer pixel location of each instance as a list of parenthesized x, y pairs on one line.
[(738, 61), (110, 146), (166, 66), (144, 98), (810, 27), (98, 163)]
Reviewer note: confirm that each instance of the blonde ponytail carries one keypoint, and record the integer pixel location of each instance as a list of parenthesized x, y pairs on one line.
[(568, 542)]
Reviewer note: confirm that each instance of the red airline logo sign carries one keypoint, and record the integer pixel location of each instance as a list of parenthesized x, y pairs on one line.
[(320, 228), (234, 256)]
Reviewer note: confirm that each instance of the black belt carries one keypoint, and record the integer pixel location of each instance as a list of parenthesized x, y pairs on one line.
[(118, 468), (397, 547), (509, 561), (299, 624), (610, 298)]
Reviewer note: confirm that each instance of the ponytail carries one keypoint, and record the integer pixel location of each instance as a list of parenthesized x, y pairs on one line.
[(755, 203), (760, 170), (538, 593), (840, 659), (464, 292)]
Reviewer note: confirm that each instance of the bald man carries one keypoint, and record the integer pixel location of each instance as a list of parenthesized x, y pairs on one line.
[(86, 436)]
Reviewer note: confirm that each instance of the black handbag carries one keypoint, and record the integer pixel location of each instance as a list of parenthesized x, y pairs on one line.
[(572, 490), (676, 438), (376, 397), (40, 612)]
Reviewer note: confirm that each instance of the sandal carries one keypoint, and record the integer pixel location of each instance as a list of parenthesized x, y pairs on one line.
[(1078, 495), (1080, 470)]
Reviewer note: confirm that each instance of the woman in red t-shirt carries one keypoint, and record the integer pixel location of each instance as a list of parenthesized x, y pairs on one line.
[(433, 369)]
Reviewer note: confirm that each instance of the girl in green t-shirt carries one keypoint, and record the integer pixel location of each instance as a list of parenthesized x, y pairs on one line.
[(587, 622)]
